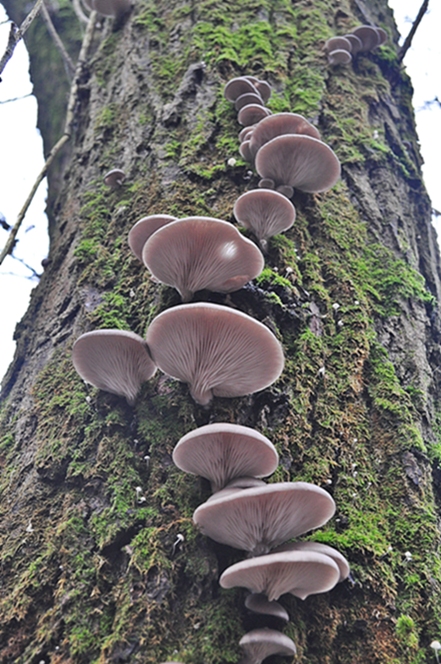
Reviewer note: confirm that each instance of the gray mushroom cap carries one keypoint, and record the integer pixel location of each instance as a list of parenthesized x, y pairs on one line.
[(116, 361), (248, 98), (144, 228), (216, 350), (258, 603), (252, 113), (114, 178), (264, 211), (261, 518), (339, 57), (302, 162), (356, 43), (318, 547), (237, 87), (280, 124), (264, 89), (368, 35), (198, 253), (264, 642), (300, 573), (337, 43), (221, 452)]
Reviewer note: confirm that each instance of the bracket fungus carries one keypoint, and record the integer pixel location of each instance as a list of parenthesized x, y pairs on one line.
[(264, 642), (198, 253), (300, 573), (300, 161), (221, 452), (116, 361), (261, 518), (264, 211), (144, 228), (216, 350), (318, 547)]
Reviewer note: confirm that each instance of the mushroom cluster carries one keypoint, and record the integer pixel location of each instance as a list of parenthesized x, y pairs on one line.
[(249, 95), (246, 513), (341, 50)]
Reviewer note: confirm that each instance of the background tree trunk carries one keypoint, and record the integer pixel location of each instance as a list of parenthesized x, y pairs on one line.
[(88, 573)]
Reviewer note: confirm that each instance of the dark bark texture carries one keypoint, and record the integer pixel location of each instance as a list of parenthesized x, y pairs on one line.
[(89, 574)]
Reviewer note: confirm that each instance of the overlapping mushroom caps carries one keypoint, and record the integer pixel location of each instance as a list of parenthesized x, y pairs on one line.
[(216, 350), (144, 228), (340, 50), (264, 642), (198, 253), (300, 161), (300, 573), (261, 518), (318, 547), (222, 451), (258, 603), (280, 124), (116, 361), (265, 212)]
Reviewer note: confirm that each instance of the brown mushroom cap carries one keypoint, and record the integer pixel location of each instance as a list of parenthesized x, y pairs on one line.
[(318, 547), (280, 124), (356, 43), (221, 452), (264, 642), (383, 36), (114, 178), (217, 350), (260, 604), (265, 211), (300, 573), (264, 89), (116, 361), (237, 87), (369, 36), (248, 98), (245, 151), (144, 228), (338, 43), (252, 113), (262, 518), (200, 252), (302, 162), (339, 57)]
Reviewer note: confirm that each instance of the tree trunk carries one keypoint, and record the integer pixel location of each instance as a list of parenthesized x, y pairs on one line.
[(90, 573)]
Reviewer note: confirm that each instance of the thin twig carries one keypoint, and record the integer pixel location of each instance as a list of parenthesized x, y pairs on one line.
[(8, 101), (73, 95), (15, 34), (68, 64), (408, 41)]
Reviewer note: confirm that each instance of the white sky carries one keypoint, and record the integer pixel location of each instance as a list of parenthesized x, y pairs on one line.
[(21, 154)]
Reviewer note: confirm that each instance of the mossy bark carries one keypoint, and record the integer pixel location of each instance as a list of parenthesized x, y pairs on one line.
[(89, 573)]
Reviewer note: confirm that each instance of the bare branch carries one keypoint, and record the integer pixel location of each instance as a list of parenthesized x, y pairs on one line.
[(15, 34), (68, 64), (408, 41), (73, 95), (8, 101)]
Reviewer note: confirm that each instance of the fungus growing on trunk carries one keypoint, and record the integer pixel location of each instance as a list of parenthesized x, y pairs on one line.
[(199, 252), (116, 361), (318, 547), (261, 518), (114, 179), (264, 642), (300, 573), (221, 452), (252, 113), (258, 603), (144, 228), (339, 57), (239, 86), (216, 350), (280, 124), (264, 211)]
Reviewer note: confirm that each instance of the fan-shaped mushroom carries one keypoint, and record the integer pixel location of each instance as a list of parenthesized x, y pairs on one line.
[(280, 124), (264, 211), (261, 643), (144, 228)]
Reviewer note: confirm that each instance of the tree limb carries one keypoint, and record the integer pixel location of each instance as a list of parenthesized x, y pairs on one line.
[(408, 41), (73, 95), (15, 34), (68, 64)]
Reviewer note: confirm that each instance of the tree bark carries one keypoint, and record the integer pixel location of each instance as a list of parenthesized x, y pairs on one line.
[(89, 573)]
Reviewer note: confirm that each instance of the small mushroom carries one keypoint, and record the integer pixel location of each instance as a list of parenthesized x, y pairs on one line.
[(217, 350), (248, 98), (264, 642), (114, 178), (339, 57), (237, 87), (116, 361), (252, 113), (338, 43), (369, 36), (265, 212), (258, 603), (221, 452), (356, 43), (144, 228), (201, 253)]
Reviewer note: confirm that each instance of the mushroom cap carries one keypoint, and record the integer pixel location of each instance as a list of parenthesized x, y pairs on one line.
[(286, 190), (114, 178), (259, 603), (264, 89), (264, 642), (246, 132), (222, 452), (252, 113), (237, 87), (318, 547), (200, 252), (112, 7), (217, 350), (356, 43), (280, 124), (116, 361), (248, 98), (300, 161), (339, 57), (244, 482), (382, 35), (144, 228), (245, 151), (261, 518), (337, 43), (369, 36), (265, 211), (300, 573)]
